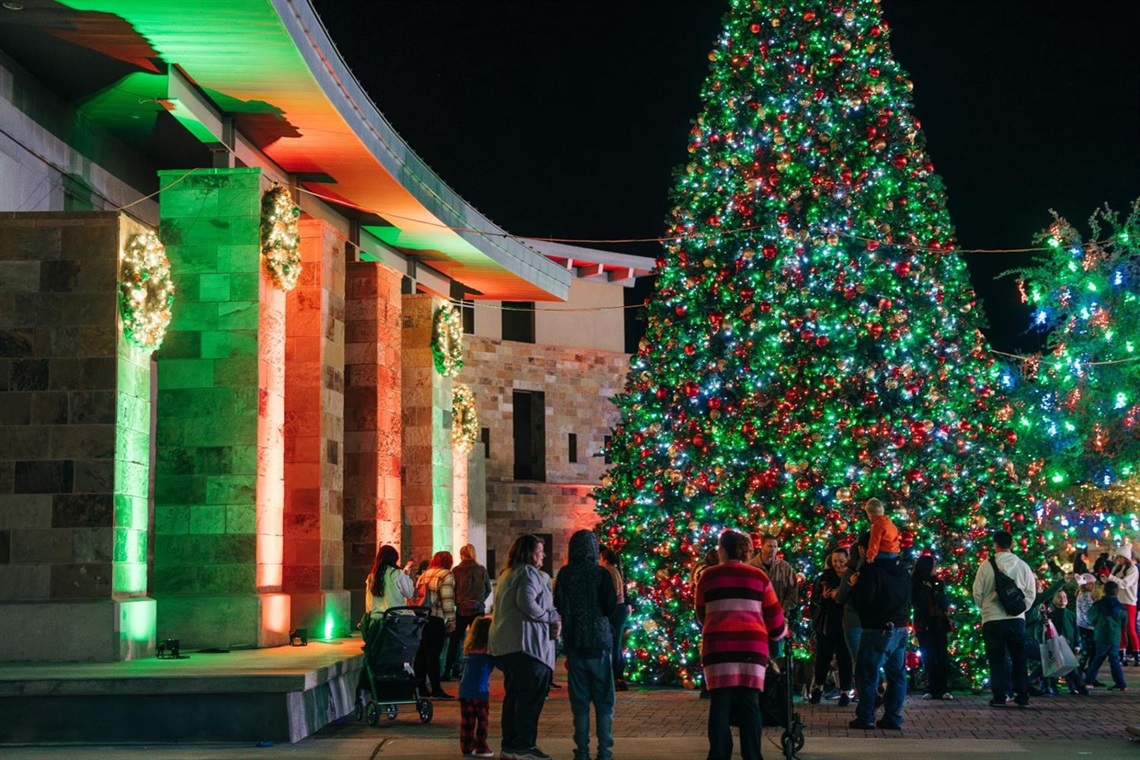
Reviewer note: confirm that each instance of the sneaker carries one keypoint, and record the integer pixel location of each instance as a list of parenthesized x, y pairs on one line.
[(928, 695), (816, 695), (844, 699), (860, 724), (1117, 687), (946, 695), (1095, 683), (995, 702), (621, 686), (508, 754), (1022, 700), (482, 753), (534, 753), (886, 725)]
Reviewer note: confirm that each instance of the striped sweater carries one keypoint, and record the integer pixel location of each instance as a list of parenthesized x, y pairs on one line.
[(739, 610)]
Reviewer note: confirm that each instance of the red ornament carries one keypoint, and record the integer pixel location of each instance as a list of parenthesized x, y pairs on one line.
[(803, 484), (690, 349), (692, 389), (769, 251), (754, 28), (782, 218)]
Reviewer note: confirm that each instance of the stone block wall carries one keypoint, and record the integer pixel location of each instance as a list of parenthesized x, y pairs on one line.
[(428, 476), (314, 415), (74, 444), (219, 474), (578, 385), (372, 418)]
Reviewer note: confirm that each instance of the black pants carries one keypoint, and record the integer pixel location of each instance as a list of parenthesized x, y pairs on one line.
[(933, 643), (431, 647), (827, 644), (1006, 637), (454, 644), (527, 682), (732, 702)]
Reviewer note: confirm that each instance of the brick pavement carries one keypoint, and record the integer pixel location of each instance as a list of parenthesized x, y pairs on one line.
[(650, 712)]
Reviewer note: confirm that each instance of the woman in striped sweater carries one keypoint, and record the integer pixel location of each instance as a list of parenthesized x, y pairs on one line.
[(740, 613)]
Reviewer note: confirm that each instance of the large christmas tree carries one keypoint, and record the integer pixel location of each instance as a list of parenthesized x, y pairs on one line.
[(1078, 404), (813, 339)]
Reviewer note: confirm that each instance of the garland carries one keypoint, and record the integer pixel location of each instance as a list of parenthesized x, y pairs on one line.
[(146, 291), (447, 341), (464, 419), (280, 241)]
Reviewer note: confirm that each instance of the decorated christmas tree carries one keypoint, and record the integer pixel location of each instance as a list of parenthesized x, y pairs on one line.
[(812, 340), (1078, 403)]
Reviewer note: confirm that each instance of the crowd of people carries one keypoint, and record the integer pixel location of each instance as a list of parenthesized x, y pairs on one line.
[(863, 610)]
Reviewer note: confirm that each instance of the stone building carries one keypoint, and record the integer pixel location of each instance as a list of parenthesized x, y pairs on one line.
[(234, 484)]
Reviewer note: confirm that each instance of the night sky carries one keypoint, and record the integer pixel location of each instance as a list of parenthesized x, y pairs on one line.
[(567, 119)]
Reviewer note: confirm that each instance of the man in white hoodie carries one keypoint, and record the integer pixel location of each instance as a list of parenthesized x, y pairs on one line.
[(1004, 634)]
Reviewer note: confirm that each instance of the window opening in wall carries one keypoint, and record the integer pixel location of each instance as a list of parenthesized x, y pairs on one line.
[(485, 437), (491, 564), (518, 321), (573, 447), (530, 435), (467, 313), (607, 440)]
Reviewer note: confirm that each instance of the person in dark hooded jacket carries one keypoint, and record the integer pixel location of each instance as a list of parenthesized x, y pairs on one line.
[(584, 596)]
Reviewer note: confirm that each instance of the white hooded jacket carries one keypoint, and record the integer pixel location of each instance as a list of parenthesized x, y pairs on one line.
[(985, 590)]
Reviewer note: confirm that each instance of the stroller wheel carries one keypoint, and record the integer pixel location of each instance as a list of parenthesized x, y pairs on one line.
[(392, 711), (426, 710), (372, 713)]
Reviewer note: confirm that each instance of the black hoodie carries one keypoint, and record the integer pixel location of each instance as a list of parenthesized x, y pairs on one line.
[(585, 598), (882, 594)]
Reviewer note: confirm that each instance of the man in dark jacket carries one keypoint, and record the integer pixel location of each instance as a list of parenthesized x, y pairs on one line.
[(584, 596), (881, 593)]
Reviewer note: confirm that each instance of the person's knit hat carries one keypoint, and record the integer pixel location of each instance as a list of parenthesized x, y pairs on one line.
[(1125, 551), (1086, 579)]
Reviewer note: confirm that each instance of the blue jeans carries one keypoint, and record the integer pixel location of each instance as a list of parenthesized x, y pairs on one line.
[(1111, 652), (592, 680), (1004, 637), (747, 705), (884, 649)]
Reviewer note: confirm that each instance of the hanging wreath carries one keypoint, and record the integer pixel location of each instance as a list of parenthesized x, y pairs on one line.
[(146, 291), (447, 341), (464, 419), (280, 241)]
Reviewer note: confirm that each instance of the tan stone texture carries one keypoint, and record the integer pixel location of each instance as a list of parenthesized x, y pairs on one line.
[(578, 385)]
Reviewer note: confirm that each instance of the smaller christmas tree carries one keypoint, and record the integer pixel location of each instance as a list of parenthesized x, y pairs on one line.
[(1078, 403)]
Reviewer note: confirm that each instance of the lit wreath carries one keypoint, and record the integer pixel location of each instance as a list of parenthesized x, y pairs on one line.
[(146, 291), (464, 419), (280, 241), (447, 341)]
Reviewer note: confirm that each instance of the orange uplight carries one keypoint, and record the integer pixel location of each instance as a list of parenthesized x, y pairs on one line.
[(275, 613)]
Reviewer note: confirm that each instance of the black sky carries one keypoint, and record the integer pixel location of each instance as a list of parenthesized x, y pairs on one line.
[(567, 119)]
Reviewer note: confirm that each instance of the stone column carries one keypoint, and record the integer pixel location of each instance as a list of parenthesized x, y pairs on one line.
[(219, 488), (74, 445), (428, 460), (314, 435), (372, 421)]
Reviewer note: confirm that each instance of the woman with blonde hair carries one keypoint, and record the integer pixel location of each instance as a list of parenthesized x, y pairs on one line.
[(472, 588)]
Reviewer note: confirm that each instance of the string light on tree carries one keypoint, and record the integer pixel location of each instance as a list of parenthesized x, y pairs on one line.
[(1077, 405), (146, 291), (280, 238), (447, 341), (826, 352)]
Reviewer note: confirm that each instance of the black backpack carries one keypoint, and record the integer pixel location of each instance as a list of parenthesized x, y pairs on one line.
[(1009, 596)]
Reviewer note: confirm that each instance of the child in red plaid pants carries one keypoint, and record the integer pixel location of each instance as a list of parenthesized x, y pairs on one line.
[(475, 690)]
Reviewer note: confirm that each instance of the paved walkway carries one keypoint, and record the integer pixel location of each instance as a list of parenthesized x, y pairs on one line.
[(663, 724)]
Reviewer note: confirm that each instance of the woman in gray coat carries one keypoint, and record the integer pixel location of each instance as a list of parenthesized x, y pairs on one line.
[(524, 628)]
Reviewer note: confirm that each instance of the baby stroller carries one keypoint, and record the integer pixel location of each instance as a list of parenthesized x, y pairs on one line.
[(390, 647)]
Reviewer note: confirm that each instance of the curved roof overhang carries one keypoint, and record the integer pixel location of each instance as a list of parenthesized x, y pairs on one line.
[(271, 66)]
